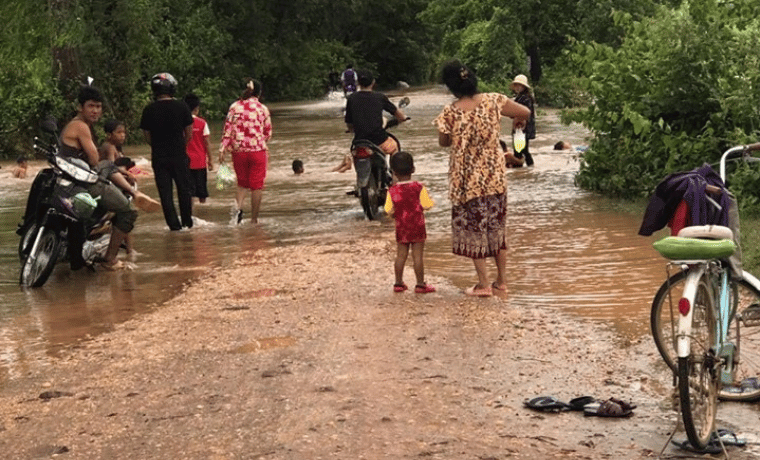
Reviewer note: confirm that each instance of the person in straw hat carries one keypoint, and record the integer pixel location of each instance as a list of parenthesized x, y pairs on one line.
[(523, 96)]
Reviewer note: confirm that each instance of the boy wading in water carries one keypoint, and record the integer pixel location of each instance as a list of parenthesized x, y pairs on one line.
[(405, 202), (199, 150)]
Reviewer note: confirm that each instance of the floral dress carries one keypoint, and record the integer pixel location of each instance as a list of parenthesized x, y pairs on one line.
[(477, 176)]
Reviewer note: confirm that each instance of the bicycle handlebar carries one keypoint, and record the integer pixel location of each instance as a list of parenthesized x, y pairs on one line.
[(724, 157)]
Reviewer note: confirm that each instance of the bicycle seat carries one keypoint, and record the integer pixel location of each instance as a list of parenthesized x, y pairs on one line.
[(693, 249), (712, 232)]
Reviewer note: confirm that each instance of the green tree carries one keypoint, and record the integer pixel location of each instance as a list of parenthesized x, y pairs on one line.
[(51, 47), (481, 33)]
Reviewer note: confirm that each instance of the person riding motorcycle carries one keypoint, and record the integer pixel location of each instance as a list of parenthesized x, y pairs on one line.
[(364, 114), (77, 141), (348, 80)]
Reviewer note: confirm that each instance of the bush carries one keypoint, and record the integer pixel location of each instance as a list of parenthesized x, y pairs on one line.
[(664, 102)]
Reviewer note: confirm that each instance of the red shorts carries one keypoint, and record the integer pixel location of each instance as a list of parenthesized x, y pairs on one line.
[(250, 169)]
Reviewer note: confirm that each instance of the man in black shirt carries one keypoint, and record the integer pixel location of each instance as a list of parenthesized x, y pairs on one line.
[(167, 124), (364, 114)]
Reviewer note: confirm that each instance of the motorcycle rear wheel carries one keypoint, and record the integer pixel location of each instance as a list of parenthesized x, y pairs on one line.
[(38, 265), (368, 197)]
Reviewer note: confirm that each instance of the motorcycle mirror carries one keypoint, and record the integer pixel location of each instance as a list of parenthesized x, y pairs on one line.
[(49, 125)]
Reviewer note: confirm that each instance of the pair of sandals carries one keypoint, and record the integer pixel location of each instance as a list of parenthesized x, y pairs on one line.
[(590, 406), (418, 289)]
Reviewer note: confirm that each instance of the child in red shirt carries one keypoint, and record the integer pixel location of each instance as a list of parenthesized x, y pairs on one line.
[(198, 150), (406, 201)]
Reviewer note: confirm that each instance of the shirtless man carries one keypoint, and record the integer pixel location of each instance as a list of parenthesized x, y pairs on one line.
[(77, 141)]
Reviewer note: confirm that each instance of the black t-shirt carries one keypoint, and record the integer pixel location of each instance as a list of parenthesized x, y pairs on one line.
[(364, 110), (166, 120)]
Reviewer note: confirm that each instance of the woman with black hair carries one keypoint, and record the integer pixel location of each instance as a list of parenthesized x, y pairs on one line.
[(477, 172), (247, 129)]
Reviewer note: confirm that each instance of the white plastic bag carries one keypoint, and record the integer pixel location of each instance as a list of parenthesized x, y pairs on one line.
[(519, 140), (225, 177)]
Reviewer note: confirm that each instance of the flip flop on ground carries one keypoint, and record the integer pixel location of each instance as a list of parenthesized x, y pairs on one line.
[(686, 445), (608, 408), (623, 404), (547, 404), (728, 438), (579, 403), (496, 287)]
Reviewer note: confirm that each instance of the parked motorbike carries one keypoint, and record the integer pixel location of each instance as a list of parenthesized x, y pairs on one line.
[(61, 220)]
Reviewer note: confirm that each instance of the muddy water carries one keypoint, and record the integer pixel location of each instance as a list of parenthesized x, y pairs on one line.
[(569, 249)]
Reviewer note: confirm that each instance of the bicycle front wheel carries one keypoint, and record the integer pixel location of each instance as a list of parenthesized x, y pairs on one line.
[(664, 318), (697, 375), (744, 333)]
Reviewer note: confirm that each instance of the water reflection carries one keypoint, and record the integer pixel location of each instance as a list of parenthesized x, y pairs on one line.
[(569, 249)]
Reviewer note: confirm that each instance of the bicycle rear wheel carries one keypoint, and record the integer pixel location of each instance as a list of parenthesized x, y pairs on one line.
[(697, 376), (744, 333), (664, 318)]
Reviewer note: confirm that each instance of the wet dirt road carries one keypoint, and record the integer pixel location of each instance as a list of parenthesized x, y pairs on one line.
[(279, 356)]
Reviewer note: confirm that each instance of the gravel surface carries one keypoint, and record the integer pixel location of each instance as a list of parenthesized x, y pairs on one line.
[(301, 353)]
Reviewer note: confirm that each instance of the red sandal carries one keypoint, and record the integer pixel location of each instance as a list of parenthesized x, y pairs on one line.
[(424, 289), (400, 287)]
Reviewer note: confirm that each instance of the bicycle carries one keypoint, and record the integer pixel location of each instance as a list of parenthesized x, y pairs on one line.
[(706, 323)]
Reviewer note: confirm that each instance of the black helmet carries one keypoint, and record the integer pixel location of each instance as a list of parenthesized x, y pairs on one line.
[(163, 83)]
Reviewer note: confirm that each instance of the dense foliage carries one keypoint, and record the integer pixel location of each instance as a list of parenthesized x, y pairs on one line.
[(50, 47), (663, 85), (664, 101)]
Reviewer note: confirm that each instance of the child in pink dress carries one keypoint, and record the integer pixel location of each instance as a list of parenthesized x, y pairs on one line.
[(406, 201)]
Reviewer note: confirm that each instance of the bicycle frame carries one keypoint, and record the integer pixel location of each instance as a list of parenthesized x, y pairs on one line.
[(683, 337), (724, 312)]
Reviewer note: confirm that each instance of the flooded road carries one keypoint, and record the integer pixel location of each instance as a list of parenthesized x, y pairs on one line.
[(569, 249)]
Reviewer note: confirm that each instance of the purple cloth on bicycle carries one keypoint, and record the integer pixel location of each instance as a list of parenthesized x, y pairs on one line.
[(690, 187)]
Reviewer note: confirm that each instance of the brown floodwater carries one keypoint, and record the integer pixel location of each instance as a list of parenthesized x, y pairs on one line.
[(570, 250)]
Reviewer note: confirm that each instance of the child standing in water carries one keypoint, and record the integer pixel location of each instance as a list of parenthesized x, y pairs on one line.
[(198, 150), (405, 202)]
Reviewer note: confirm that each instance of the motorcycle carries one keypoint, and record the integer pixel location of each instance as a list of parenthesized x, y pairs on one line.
[(373, 176), (61, 220)]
